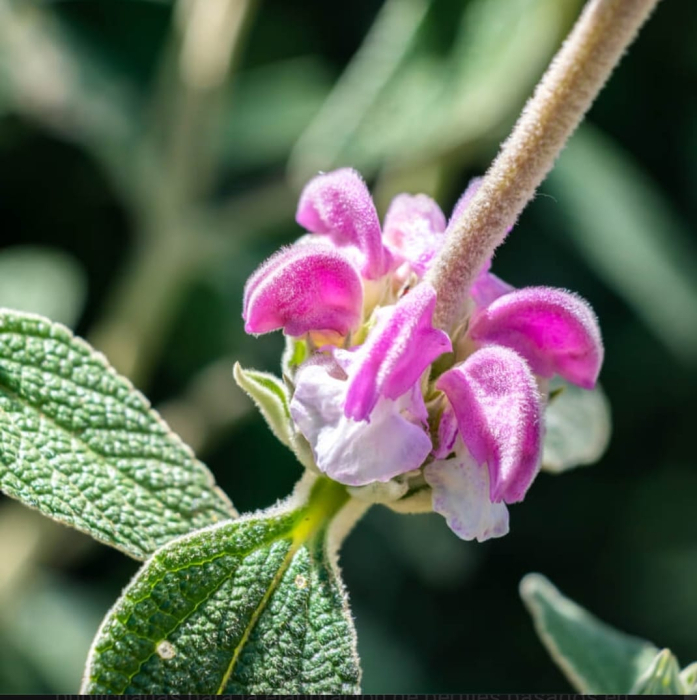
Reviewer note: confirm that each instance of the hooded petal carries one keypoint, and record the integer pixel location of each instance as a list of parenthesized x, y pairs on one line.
[(303, 288), (554, 330), (357, 452), (414, 230), (338, 204), (461, 494), (395, 354), (498, 409)]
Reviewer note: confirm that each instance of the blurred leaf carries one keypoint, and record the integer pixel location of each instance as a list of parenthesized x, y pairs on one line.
[(81, 445), (45, 612), (400, 100), (42, 281), (252, 606), (661, 678), (595, 657), (577, 427), (688, 676), (621, 223), (49, 76), (268, 109)]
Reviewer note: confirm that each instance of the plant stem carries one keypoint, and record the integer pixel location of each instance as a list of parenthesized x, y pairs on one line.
[(575, 77)]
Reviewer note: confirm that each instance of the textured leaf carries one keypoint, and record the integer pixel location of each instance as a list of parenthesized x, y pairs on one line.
[(271, 397), (661, 678), (42, 281), (577, 426), (251, 606), (81, 445), (595, 657)]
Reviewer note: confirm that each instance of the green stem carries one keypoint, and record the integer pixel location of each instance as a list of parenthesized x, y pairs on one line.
[(575, 77)]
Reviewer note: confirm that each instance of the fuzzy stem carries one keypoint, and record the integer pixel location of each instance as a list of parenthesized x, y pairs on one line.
[(565, 93)]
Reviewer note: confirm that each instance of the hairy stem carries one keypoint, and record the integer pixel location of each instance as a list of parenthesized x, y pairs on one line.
[(565, 93)]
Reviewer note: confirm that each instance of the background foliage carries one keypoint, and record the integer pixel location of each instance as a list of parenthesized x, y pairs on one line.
[(135, 201)]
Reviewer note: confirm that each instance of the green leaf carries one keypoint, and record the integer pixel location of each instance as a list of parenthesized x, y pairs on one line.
[(81, 445), (251, 606), (271, 398), (577, 426), (44, 281), (661, 678), (595, 657), (688, 676)]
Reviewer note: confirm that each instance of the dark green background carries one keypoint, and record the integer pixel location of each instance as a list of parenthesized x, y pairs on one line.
[(433, 614)]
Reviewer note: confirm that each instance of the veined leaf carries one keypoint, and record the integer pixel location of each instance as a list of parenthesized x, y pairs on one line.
[(81, 445), (250, 606), (595, 657)]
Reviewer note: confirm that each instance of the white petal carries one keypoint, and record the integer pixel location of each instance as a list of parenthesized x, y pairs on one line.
[(357, 452), (461, 494)]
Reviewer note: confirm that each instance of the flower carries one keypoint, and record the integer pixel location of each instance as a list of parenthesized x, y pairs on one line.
[(366, 395)]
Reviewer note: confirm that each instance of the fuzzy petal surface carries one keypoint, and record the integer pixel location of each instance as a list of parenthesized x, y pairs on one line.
[(304, 288), (461, 494), (498, 408), (339, 205), (352, 452), (487, 287), (414, 230), (395, 354), (554, 330)]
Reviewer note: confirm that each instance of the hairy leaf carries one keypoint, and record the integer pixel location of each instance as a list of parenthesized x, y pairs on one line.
[(251, 606), (271, 397), (595, 657), (81, 445)]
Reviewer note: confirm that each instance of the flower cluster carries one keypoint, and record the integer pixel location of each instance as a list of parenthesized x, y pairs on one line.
[(379, 393)]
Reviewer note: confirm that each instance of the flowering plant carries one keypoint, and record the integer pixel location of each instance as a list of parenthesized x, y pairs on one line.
[(400, 411)]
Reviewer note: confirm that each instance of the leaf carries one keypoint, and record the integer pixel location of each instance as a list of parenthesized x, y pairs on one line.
[(81, 445), (251, 606), (623, 225), (43, 281), (271, 398), (577, 426), (661, 678), (688, 676), (595, 657)]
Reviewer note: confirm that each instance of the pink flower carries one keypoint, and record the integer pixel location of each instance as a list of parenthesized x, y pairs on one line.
[(369, 403), (363, 413), (303, 288), (338, 205)]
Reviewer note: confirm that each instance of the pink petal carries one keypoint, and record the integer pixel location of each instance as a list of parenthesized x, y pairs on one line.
[(461, 494), (414, 230), (339, 205), (303, 288), (488, 287), (396, 353), (498, 410), (356, 452), (555, 331)]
